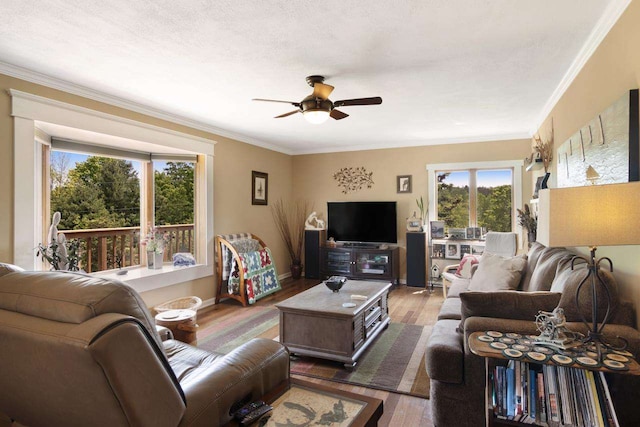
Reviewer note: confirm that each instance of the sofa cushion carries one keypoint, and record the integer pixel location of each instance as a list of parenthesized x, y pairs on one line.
[(507, 304), (546, 267), (497, 273), (445, 353), (567, 282), (532, 260), (451, 309), (457, 285)]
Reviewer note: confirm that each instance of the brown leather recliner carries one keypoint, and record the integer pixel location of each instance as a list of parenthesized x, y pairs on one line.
[(76, 350)]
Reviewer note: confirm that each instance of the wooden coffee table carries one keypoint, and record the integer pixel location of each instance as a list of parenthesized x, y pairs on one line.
[(315, 323)]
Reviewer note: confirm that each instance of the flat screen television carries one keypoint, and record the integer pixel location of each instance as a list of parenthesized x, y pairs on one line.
[(367, 222)]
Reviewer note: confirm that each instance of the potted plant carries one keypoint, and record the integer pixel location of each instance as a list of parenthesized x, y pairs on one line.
[(155, 242), (544, 151), (290, 219), (424, 211), (58, 252)]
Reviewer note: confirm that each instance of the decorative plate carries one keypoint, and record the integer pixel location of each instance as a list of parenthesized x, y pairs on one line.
[(615, 365), (623, 353), (499, 345), (511, 353), (562, 359), (521, 347), (537, 357), (485, 338), (525, 341), (513, 335), (494, 334), (507, 340), (587, 361), (543, 350), (617, 357), (532, 337)]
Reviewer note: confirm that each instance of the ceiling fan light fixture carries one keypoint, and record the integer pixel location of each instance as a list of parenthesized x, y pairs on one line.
[(316, 116)]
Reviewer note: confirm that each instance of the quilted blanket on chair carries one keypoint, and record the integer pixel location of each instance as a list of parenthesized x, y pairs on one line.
[(260, 275)]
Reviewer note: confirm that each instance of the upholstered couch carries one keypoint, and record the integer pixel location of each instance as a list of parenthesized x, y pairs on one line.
[(458, 376), (82, 351)]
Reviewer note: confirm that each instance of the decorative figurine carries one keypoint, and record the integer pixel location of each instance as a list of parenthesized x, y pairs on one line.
[(553, 332)]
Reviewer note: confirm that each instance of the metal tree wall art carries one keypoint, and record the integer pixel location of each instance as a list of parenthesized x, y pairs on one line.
[(353, 179)]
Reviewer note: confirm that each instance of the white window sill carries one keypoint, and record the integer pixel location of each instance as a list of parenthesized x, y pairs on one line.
[(143, 279)]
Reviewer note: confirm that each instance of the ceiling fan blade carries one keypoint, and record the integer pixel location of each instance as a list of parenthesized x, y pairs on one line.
[(358, 101), (322, 91), (338, 115), (286, 114), (295, 104)]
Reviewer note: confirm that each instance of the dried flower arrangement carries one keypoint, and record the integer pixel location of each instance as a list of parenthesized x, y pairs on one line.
[(544, 149)]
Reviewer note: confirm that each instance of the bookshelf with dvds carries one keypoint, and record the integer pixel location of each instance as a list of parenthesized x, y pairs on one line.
[(539, 390)]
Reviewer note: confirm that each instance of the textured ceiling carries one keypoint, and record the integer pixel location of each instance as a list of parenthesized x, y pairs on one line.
[(447, 70)]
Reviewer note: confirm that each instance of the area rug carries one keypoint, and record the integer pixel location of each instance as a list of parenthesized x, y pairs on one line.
[(394, 362)]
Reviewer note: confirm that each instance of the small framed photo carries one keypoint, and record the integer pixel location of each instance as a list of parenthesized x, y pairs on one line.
[(437, 229), (404, 183), (259, 188), (477, 249), (453, 251)]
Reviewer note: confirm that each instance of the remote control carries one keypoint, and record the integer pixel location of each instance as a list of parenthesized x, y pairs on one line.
[(359, 297), (247, 409), (255, 415)]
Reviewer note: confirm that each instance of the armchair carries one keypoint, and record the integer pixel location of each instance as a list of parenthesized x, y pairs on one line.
[(78, 350), (497, 243)]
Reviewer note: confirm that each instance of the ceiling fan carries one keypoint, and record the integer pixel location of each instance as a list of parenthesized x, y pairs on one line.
[(317, 107)]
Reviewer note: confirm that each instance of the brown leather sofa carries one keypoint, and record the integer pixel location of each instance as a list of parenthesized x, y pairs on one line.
[(82, 351), (458, 376)]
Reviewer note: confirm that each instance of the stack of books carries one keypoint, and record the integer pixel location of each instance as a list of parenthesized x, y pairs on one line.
[(551, 395)]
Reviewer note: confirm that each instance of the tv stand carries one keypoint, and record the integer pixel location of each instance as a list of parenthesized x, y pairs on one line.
[(365, 263), (360, 245)]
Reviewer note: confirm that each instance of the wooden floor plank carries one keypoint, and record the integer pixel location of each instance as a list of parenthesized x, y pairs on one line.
[(411, 305)]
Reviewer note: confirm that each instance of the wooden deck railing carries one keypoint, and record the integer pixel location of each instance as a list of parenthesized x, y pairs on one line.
[(103, 248)]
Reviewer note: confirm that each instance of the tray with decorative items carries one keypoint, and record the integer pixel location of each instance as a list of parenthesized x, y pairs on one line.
[(528, 348)]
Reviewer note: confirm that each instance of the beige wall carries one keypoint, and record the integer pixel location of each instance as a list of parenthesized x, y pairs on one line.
[(233, 164), (313, 174), (613, 69)]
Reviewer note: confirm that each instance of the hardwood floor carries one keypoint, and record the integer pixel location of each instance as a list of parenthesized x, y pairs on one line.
[(406, 304)]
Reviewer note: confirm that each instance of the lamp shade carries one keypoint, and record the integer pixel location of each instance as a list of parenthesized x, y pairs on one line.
[(596, 215)]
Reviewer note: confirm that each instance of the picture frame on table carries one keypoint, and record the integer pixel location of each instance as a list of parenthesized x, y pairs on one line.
[(259, 188), (453, 251), (403, 183), (437, 229)]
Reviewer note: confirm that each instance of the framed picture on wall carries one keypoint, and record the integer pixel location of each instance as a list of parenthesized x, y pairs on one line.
[(259, 188), (404, 183)]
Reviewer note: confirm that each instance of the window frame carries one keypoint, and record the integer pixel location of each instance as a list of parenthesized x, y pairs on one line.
[(29, 110), (516, 197)]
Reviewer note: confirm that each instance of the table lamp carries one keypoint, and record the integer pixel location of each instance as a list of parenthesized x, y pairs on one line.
[(595, 215)]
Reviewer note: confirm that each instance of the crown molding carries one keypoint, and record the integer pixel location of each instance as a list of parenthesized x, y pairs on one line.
[(611, 15), (419, 143), (74, 89)]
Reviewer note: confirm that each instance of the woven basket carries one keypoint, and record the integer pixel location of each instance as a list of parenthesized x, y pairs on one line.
[(184, 303)]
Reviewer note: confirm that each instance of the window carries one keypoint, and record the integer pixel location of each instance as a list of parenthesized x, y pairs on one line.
[(99, 199), (36, 119), (475, 194)]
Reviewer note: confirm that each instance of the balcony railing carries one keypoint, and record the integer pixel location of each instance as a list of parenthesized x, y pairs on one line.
[(105, 248)]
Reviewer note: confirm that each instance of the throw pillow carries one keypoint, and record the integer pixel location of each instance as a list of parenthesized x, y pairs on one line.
[(497, 273), (465, 268), (567, 282)]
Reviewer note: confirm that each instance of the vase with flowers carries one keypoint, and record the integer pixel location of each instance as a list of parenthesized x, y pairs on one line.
[(154, 242)]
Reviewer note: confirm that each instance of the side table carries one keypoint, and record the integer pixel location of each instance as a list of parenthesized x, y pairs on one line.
[(182, 324)]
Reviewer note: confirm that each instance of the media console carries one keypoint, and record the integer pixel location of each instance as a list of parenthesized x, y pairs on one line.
[(366, 263)]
